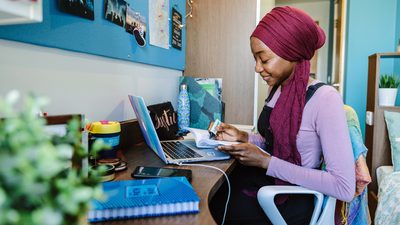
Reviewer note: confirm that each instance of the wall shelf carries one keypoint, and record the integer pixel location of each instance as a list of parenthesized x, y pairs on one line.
[(376, 135), (20, 11)]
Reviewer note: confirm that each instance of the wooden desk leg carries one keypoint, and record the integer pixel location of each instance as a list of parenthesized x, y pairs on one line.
[(372, 204)]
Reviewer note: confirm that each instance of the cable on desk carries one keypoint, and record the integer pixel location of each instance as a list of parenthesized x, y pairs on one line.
[(227, 180)]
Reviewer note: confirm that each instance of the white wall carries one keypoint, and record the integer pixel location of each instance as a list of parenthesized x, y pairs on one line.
[(261, 89), (82, 83), (265, 7), (319, 11)]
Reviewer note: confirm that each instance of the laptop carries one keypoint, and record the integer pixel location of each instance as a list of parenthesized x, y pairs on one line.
[(174, 151)]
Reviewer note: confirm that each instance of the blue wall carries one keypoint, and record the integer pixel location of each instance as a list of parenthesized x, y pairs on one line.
[(98, 37), (397, 62), (371, 28)]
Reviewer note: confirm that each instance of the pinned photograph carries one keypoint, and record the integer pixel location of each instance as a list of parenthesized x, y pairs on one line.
[(131, 20), (136, 25), (115, 11), (140, 31), (159, 23), (81, 8), (176, 37)]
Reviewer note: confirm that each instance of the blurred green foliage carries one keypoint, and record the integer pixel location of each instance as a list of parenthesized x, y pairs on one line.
[(38, 186)]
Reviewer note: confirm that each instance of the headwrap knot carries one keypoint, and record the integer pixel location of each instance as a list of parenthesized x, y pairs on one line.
[(290, 33)]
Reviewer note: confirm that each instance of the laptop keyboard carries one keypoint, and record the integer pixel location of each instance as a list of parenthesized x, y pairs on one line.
[(177, 150)]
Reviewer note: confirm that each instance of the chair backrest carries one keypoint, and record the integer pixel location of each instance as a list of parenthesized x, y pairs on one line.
[(325, 206), (327, 216), (324, 209)]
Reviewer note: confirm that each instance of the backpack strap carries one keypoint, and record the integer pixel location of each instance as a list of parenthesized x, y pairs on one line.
[(271, 93), (312, 89)]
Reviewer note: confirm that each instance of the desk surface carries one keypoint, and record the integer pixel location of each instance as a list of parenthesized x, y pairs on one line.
[(205, 182)]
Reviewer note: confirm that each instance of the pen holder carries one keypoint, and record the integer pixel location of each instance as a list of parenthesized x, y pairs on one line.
[(109, 133)]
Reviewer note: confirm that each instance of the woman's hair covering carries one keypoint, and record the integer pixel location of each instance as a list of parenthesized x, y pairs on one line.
[(294, 36)]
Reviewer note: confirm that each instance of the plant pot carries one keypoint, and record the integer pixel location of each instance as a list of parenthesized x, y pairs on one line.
[(387, 96)]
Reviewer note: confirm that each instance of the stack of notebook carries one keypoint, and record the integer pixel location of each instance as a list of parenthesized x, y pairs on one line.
[(144, 198)]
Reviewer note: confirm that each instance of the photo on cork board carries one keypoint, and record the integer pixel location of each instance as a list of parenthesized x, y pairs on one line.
[(84, 9), (131, 20), (140, 31), (115, 11), (136, 25)]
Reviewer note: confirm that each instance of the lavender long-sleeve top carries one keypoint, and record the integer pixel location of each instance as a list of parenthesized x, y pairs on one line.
[(323, 132)]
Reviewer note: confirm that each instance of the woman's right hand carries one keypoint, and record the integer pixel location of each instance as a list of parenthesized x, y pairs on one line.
[(227, 132)]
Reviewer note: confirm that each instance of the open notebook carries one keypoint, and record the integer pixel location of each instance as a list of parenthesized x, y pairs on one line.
[(202, 139)]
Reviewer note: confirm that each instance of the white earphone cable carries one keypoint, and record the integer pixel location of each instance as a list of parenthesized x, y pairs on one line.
[(227, 180)]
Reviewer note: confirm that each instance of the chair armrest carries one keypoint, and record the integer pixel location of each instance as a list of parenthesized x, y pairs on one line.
[(266, 196)]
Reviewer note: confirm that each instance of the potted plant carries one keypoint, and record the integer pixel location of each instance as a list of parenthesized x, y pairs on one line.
[(37, 184), (388, 85)]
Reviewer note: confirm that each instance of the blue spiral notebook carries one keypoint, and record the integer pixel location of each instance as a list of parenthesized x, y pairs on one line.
[(144, 198)]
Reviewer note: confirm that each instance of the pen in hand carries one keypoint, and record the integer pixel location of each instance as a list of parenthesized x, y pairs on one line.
[(212, 129)]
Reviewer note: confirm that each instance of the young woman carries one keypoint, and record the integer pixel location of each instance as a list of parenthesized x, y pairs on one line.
[(296, 132)]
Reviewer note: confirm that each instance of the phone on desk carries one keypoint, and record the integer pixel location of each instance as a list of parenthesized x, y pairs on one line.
[(154, 172)]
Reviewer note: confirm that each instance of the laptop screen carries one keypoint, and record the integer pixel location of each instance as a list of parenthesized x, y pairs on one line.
[(146, 125)]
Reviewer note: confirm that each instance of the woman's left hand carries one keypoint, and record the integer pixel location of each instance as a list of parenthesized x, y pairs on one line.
[(247, 154)]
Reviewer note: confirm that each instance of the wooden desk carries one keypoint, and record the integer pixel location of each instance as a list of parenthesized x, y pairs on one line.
[(205, 182)]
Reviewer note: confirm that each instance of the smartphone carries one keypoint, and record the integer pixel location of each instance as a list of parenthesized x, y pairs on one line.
[(153, 172)]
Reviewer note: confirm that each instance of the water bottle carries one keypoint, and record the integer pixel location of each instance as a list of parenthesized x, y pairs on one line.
[(183, 108)]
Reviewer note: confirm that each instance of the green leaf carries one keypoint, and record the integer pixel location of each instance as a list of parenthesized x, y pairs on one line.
[(38, 185), (389, 81), (47, 216)]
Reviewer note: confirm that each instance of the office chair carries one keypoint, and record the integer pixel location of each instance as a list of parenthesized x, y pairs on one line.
[(323, 214)]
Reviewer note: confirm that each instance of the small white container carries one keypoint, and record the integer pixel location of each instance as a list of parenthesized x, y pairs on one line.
[(387, 96), (398, 46)]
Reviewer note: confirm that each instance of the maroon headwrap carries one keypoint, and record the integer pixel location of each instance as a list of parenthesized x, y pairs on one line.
[(294, 36)]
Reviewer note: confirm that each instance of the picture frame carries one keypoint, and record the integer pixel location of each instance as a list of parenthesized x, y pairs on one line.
[(58, 125)]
